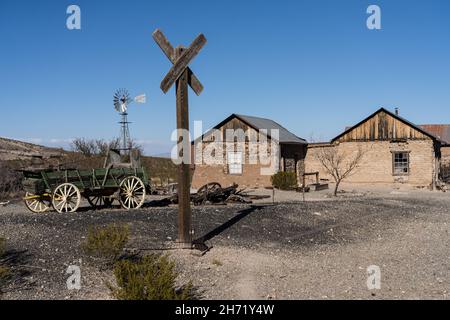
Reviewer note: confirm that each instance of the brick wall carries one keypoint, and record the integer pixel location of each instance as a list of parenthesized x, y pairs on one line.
[(376, 164), (251, 176)]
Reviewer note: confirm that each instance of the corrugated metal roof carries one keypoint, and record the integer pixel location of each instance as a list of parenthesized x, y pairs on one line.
[(441, 131), (285, 136)]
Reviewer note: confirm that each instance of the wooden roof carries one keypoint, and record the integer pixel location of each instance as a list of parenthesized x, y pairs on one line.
[(381, 133)]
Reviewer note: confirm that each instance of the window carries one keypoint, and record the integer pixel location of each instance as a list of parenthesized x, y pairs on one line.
[(401, 163), (235, 162)]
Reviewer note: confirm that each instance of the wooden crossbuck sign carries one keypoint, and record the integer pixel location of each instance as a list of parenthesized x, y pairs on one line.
[(182, 76)]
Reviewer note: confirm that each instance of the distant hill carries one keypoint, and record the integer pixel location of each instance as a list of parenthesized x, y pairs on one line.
[(167, 155), (19, 150)]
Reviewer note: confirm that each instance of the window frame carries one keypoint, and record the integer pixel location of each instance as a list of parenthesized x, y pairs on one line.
[(235, 163), (408, 160)]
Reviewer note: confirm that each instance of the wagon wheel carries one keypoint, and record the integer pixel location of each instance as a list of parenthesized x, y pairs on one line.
[(207, 189), (66, 198), (99, 201), (37, 204), (132, 193)]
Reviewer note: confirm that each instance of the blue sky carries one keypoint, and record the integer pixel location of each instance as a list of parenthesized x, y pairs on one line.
[(313, 66)]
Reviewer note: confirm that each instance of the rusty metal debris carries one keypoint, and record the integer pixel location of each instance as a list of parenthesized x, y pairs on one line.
[(213, 193)]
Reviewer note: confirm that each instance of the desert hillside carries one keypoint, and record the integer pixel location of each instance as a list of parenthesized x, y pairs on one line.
[(19, 150)]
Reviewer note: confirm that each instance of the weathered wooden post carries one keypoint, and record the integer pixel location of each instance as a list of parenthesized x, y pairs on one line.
[(181, 75)]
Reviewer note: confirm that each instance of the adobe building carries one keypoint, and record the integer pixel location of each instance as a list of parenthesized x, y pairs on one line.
[(442, 132), (394, 151), (243, 166)]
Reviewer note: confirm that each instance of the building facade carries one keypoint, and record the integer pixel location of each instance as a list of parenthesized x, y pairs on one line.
[(247, 151), (393, 151)]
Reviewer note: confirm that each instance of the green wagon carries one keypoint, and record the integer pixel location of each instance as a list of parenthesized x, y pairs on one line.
[(63, 190)]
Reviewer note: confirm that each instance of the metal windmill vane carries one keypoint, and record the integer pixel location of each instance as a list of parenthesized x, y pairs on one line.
[(122, 100)]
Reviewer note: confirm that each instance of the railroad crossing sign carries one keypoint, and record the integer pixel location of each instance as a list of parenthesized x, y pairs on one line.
[(182, 76)]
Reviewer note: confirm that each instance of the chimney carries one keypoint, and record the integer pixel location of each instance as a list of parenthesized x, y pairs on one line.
[(396, 111)]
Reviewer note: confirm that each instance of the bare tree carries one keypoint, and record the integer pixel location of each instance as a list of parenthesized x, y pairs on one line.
[(84, 146), (339, 165), (103, 146), (92, 147)]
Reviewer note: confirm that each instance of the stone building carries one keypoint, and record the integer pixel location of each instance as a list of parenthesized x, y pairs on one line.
[(394, 151), (244, 156)]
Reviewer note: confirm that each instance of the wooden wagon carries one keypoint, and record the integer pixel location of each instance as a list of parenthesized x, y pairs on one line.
[(64, 189)]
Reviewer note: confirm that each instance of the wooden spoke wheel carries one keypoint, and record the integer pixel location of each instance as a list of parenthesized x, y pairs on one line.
[(98, 202), (132, 193), (37, 203), (205, 190), (66, 198)]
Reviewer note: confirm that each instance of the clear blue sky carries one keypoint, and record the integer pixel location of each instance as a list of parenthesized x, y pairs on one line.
[(313, 66)]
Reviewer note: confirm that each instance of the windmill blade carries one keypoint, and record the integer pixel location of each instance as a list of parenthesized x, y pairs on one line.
[(121, 99)]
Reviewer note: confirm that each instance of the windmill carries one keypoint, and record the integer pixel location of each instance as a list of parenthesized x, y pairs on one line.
[(121, 101)]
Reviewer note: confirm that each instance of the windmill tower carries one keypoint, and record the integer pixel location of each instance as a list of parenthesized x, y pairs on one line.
[(121, 102)]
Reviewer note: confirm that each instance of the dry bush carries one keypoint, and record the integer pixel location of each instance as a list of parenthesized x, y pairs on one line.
[(162, 169), (10, 181), (150, 278), (217, 262), (107, 242), (75, 160), (4, 271), (2, 246)]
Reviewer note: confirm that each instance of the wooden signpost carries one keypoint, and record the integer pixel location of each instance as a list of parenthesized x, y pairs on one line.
[(182, 76)]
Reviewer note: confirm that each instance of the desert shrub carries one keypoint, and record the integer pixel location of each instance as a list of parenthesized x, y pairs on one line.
[(2, 246), (106, 242), (217, 262), (4, 271), (10, 180), (284, 180), (149, 278)]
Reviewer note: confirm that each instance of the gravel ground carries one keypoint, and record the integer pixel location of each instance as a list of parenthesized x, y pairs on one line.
[(314, 250)]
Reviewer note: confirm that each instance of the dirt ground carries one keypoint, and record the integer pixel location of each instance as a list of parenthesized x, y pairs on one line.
[(319, 249)]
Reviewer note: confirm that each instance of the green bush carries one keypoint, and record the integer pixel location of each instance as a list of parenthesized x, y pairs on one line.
[(107, 242), (150, 278), (284, 180)]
